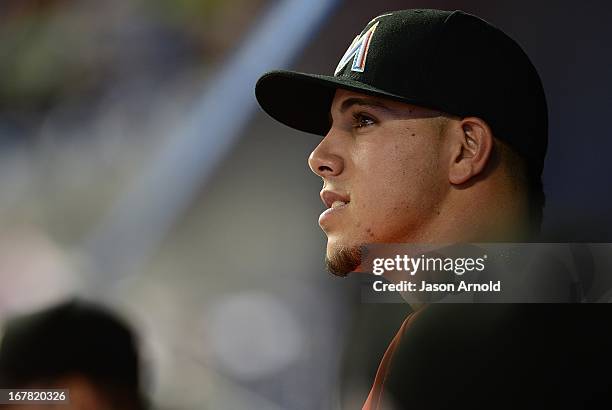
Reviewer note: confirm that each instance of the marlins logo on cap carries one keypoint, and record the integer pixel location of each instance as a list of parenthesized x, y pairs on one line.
[(358, 50)]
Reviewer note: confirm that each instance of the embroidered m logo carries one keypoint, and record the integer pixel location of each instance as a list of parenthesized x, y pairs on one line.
[(358, 51)]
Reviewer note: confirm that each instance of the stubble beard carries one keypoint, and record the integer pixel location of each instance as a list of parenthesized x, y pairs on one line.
[(343, 261)]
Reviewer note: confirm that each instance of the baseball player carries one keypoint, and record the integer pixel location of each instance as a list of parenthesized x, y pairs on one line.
[(434, 130), (429, 116)]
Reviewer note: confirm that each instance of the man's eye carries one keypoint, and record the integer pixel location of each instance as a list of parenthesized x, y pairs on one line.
[(362, 120)]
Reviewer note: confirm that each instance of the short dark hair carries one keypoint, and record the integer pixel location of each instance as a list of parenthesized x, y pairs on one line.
[(74, 337), (537, 200), (527, 178)]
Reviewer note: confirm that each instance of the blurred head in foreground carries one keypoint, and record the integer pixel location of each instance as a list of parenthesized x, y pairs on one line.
[(77, 346), (434, 130)]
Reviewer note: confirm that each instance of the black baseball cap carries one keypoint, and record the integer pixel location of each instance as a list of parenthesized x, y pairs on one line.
[(449, 61)]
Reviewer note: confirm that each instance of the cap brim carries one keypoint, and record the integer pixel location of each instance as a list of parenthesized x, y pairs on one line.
[(303, 101)]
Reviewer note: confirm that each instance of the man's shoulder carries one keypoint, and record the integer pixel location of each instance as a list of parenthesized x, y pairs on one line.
[(475, 353)]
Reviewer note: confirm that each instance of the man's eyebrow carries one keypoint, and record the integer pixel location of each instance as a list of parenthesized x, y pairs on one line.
[(364, 102), (368, 102)]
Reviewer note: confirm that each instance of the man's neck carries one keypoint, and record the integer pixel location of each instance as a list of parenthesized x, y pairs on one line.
[(483, 215)]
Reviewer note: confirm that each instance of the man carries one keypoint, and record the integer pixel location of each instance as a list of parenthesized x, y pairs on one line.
[(432, 113), (434, 130), (76, 346)]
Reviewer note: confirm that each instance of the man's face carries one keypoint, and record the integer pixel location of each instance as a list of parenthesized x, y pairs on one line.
[(384, 174)]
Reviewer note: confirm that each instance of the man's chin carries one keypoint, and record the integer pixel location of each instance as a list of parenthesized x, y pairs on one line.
[(342, 260)]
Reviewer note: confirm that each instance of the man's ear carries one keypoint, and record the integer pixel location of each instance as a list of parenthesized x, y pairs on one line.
[(472, 144)]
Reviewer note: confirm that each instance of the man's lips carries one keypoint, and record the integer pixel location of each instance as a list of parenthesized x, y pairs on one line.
[(332, 198), (335, 202)]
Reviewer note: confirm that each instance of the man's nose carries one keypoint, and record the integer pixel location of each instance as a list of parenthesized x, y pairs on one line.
[(323, 161)]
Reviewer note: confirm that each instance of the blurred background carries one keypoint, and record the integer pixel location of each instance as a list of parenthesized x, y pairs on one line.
[(137, 170)]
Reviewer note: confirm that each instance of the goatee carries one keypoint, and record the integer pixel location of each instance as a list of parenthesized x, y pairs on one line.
[(344, 261)]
